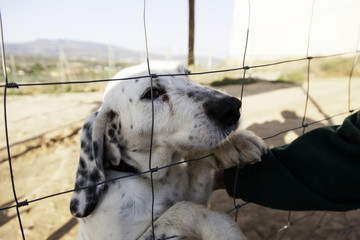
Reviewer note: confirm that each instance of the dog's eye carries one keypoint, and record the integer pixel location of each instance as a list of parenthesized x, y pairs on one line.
[(157, 92)]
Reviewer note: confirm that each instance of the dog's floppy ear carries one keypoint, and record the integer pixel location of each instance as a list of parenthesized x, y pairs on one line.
[(99, 144)]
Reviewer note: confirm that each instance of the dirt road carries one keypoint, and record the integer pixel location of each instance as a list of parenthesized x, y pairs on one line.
[(44, 138)]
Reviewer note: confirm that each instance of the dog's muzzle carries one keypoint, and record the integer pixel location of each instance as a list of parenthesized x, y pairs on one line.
[(225, 111)]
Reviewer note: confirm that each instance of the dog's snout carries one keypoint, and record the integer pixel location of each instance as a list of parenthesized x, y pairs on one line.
[(225, 111)]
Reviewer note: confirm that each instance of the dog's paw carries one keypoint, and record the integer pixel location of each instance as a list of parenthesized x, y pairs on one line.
[(241, 147)]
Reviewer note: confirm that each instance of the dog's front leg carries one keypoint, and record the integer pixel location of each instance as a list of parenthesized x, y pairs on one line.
[(188, 220), (201, 174), (241, 147)]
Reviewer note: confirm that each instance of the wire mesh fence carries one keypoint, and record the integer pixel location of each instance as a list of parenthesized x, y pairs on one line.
[(340, 225)]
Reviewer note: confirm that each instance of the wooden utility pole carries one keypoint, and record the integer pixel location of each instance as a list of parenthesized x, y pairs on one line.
[(191, 32)]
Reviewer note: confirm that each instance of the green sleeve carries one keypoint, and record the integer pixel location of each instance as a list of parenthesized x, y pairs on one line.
[(320, 170)]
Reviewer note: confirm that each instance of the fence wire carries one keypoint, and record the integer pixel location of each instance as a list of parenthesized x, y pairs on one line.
[(18, 205), (291, 220)]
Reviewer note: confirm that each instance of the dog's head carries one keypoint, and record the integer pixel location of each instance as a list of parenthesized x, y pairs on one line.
[(177, 113)]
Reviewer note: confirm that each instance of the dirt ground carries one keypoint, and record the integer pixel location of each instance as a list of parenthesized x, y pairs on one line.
[(44, 137)]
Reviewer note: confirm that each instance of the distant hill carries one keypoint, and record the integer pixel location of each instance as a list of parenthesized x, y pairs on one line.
[(72, 49), (86, 50)]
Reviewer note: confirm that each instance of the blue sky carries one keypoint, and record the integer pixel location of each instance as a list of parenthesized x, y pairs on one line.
[(119, 22), (277, 27)]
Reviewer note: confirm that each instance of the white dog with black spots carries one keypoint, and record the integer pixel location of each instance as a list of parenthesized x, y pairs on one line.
[(190, 121)]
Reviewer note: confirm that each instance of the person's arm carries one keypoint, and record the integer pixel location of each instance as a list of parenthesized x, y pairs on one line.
[(320, 170)]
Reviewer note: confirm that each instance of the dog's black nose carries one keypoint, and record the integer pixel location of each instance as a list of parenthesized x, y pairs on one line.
[(225, 111)]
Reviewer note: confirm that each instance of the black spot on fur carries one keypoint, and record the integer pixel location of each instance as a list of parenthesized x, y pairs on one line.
[(111, 115), (90, 191), (82, 163), (90, 206), (108, 153), (165, 98), (80, 183), (95, 176), (82, 173), (74, 206), (80, 180), (96, 148), (85, 146), (197, 96), (111, 133), (87, 128), (167, 202)]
